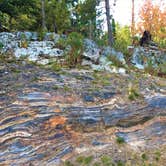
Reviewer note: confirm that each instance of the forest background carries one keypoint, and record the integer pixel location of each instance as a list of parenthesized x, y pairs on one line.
[(85, 17)]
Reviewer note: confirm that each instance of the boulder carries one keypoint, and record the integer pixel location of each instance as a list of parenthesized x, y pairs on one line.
[(108, 51), (38, 49), (92, 51), (143, 56), (24, 35)]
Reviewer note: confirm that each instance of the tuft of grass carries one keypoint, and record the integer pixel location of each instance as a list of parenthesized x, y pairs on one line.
[(100, 78), (157, 156), (56, 67), (55, 87), (80, 159), (24, 44), (120, 163), (68, 163), (1, 45), (106, 160), (115, 61), (96, 164), (66, 88), (144, 156), (133, 93), (84, 160), (120, 140), (88, 160)]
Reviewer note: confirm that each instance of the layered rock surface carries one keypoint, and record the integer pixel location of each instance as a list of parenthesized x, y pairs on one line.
[(48, 117)]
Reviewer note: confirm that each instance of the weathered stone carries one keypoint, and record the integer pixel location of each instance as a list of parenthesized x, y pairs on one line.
[(143, 56), (157, 102), (43, 121), (88, 98), (107, 51), (145, 137), (91, 50), (24, 36)]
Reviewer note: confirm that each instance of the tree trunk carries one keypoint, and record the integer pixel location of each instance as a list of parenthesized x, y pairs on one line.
[(133, 21), (109, 26), (90, 30), (55, 27), (43, 16)]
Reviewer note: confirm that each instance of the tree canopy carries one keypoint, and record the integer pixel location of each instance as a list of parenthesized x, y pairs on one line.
[(81, 16)]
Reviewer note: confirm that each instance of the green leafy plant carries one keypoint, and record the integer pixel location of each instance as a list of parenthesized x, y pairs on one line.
[(144, 157), (123, 39), (23, 44), (56, 66), (96, 164), (157, 156), (1, 46), (150, 67), (162, 68), (120, 140), (61, 44), (106, 160), (133, 92), (74, 56), (68, 163), (84, 160), (41, 34), (120, 163)]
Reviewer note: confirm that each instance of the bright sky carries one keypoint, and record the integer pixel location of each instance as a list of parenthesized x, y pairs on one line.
[(122, 10)]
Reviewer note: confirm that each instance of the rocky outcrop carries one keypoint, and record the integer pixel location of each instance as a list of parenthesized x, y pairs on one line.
[(144, 56), (92, 51), (27, 45), (47, 116)]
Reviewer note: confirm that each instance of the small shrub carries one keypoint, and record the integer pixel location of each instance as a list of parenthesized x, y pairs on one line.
[(41, 35), (133, 94), (23, 37), (74, 56), (120, 140), (157, 156), (61, 44), (66, 88), (68, 163), (120, 163), (123, 39), (1, 46), (55, 87), (144, 156), (106, 160), (150, 68), (102, 41), (80, 159), (162, 68), (84, 160), (23, 44), (96, 164), (88, 160), (56, 66)]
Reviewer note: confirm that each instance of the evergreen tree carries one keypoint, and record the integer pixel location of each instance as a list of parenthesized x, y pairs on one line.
[(57, 16)]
